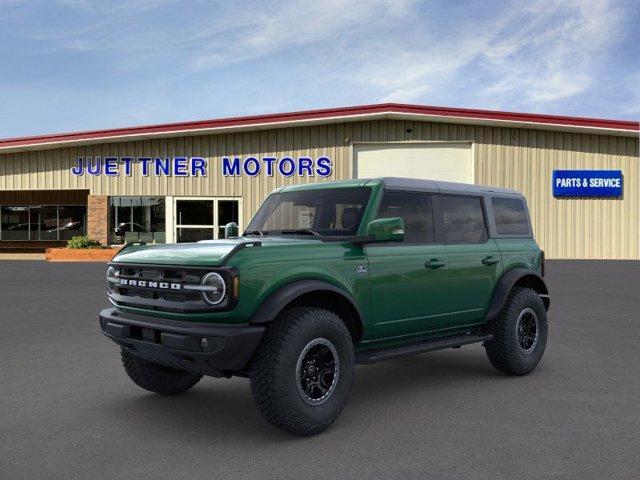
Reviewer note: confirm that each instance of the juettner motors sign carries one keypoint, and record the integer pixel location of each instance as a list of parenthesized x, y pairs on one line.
[(587, 183), (198, 166)]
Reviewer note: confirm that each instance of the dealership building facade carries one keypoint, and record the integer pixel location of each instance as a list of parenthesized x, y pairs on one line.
[(184, 181)]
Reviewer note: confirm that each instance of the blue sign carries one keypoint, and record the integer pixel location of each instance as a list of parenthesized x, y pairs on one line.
[(116, 166), (285, 166), (197, 166), (587, 183)]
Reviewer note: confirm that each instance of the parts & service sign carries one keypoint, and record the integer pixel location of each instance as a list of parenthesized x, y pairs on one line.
[(199, 167), (587, 183)]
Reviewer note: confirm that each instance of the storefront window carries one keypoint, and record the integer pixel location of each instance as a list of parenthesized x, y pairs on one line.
[(204, 219), (134, 219), (195, 212), (15, 223), (72, 221), (194, 234), (227, 213), (42, 222)]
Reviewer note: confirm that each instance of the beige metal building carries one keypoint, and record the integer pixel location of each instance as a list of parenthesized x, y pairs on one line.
[(47, 195)]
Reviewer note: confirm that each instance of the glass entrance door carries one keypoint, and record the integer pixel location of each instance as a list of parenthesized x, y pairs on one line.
[(204, 218)]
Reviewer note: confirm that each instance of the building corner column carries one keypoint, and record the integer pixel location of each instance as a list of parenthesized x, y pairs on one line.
[(98, 218)]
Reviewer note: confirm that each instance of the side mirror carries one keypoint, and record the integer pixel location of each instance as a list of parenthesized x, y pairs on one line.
[(231, 230), (386, 230)]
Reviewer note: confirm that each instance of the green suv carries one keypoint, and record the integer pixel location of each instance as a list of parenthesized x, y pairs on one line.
[(326, 276)]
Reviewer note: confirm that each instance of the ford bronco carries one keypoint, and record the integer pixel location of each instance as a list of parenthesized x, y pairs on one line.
[(326, 276)]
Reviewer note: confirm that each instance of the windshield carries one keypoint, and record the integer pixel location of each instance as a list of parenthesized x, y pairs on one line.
[(327, 212)]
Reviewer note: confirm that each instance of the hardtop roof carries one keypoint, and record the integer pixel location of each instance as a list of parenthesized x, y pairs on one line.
[(400, 183), (443, 187)]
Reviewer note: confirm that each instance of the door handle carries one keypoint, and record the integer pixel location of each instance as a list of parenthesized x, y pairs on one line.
[(434, 263), (488, 261)]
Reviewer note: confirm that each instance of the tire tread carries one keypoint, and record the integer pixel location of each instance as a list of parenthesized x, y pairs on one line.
[(501, 351), (269, 392)]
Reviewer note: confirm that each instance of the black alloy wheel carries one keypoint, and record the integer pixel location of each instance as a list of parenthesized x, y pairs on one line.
[(317, 371)]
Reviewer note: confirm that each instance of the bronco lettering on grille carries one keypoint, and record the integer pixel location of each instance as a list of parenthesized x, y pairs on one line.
[(149, 284)]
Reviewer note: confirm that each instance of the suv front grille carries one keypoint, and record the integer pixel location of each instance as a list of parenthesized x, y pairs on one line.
[(162, 288)]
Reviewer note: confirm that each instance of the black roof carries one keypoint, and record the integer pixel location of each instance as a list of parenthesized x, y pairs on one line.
[(442, 187)]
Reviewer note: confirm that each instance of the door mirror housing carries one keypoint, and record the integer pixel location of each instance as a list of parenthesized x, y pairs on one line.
[(231, 230), (386, 230)]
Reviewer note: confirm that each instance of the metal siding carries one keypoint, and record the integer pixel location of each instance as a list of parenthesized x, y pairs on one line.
[(567, 228), (522, 159)]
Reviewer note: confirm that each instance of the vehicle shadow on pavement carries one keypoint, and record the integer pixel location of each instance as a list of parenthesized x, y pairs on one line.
[(421, 374), (214, 408), (224, 409)]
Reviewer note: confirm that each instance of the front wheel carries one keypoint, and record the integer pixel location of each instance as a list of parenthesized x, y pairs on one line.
[(519, 333), (302, 371)]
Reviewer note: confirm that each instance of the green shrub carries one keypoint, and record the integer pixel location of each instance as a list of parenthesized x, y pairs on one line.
[(82, 241)]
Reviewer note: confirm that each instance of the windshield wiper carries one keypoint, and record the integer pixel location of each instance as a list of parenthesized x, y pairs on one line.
[(301, 231), (256, 232)]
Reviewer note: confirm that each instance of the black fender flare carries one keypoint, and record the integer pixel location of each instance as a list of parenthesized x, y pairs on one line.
[(276, 301), (506, 284)]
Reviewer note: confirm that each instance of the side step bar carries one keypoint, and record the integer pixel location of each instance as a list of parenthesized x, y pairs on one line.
[(373, 356)]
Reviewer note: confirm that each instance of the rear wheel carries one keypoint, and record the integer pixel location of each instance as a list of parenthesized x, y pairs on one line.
[(302, 371), (157, 378), (519, 333)]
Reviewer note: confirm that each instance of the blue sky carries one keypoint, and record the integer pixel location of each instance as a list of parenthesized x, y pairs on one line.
[(81, 64)]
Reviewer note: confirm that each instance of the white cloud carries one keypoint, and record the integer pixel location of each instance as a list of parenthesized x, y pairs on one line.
[(282, 25), (511, 55), (630, 106), (553, 55), (527, 56)]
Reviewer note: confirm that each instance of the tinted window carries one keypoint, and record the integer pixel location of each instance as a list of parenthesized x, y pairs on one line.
[(42, 222), (72, 221), (146, 216), (15, 223), (463, 219), (415, 209), (511, 216)]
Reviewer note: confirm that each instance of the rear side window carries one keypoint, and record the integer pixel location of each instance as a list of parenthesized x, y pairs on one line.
[(510, 215), (463, 219), (416, 211)]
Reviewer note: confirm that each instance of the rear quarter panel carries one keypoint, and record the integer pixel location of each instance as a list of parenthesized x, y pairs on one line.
[(520, 252)]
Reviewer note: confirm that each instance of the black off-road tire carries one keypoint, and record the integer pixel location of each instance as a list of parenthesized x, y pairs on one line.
[(505, 351), (275, 375), (157, 378)]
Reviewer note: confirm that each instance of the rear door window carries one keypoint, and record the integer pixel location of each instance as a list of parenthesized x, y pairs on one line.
[(463, 219), (415, 210), (510, 215)]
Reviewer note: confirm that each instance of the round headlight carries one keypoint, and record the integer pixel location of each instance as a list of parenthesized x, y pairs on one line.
[(215, 290)]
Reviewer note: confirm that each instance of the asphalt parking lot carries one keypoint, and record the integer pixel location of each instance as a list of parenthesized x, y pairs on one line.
[(68, 411)]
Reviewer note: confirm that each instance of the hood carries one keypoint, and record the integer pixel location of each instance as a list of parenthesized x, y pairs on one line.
[(209, 253)]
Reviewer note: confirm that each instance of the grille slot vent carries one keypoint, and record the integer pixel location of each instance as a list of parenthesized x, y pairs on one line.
[(161, 288)]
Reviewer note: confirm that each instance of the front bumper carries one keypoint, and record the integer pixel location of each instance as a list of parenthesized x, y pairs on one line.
[(209, 349)]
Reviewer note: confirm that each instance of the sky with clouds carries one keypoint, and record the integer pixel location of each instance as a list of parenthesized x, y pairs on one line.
[(85, 64)]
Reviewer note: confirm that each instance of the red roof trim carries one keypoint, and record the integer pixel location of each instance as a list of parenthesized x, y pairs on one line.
[(309, 115)]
